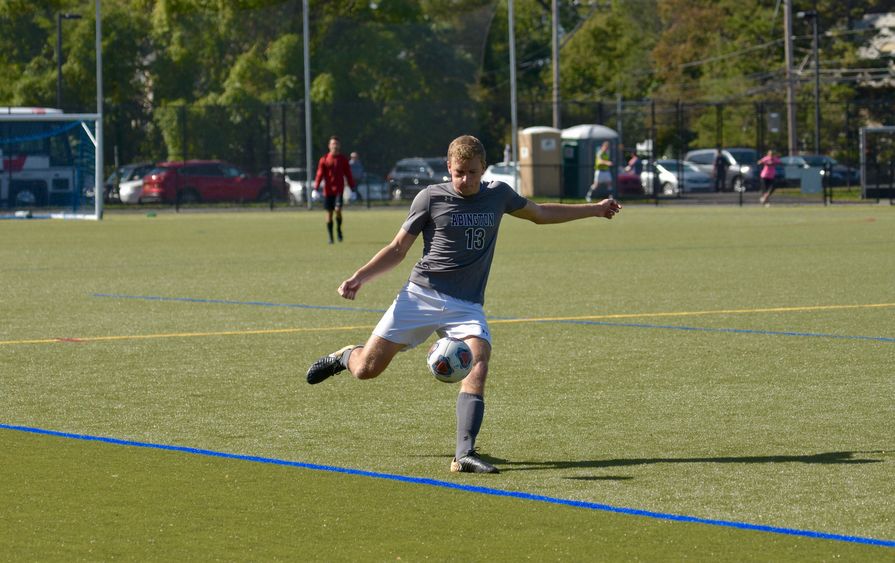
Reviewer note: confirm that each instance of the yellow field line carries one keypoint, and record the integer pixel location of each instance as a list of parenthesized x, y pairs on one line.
[(182, 335), (493, 321), (695, 313)]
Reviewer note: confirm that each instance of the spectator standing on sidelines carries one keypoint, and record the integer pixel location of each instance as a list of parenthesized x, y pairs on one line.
[(458, 221), (634, 165), (333, 169), (357, 170), (768, 175), (719, 170)]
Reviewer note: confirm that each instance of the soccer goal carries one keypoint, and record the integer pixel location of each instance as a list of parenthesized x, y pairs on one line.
[(48, 164), (878, 162)]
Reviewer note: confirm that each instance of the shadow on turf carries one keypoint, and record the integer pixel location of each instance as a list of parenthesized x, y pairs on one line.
[(832, 458)]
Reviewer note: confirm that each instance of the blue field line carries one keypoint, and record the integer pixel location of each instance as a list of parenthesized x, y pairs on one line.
[(461, 487), (728, 330), (491, 317), (232, 302)]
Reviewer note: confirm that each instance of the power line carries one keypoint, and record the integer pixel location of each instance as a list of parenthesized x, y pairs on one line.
[(731, 55)]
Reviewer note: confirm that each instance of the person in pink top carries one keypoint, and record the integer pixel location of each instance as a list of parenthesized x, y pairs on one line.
[(768, 172), (332, 170)]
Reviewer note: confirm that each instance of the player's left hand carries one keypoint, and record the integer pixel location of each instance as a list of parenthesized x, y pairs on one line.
[(608, 208)]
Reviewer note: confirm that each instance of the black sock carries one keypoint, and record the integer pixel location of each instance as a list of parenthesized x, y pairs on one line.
[(329, 229), (339, 226), (470, 412)]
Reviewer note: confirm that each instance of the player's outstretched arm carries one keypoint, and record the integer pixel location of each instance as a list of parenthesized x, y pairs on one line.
[(547, 213), (384, 260)]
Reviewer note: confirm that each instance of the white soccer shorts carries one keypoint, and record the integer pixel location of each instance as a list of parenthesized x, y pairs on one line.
[(417, 312)]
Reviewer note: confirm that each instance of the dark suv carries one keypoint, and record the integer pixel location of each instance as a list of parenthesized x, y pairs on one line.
[(196, 181), (411, 175)]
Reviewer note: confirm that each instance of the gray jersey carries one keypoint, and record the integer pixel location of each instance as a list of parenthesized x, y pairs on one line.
[(459, 235)]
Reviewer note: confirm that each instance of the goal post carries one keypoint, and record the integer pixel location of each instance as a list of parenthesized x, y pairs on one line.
[(89, 127), (50, 164)]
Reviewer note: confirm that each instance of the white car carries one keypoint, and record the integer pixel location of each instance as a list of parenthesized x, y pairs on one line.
[(132, 174), (502, 171), (130, 191), (296, 178), (670, 171)]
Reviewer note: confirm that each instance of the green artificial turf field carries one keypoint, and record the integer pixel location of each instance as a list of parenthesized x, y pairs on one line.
[(716, 363)]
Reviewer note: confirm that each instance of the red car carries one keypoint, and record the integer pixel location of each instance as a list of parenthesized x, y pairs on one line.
[(629, 184), (194, 181)]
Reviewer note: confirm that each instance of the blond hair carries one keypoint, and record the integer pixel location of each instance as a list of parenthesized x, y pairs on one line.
[(466, 147)]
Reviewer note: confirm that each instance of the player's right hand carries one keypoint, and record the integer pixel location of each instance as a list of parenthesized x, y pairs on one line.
[(608, 208), (349, 288)]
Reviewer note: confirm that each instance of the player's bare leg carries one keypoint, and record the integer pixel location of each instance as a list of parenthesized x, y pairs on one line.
[(371, 359), (364, 362)]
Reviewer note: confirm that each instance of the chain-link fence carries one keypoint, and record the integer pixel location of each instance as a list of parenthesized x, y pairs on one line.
[(667, 136), (268, 142)]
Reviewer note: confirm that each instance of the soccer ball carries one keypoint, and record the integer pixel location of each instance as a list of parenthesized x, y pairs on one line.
[(449, 360)]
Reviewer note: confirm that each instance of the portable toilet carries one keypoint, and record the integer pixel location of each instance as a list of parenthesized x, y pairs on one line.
[(579, 147), (540, 162)]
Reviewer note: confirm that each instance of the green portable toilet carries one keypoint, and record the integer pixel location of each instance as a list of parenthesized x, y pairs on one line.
[(579, 146)]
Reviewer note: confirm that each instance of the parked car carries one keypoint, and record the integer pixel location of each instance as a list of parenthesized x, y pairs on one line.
[(373, 187), (502, 172), (126, 174), (131, 191), (670, 172), (296, 180), (742, 166), (194, 181), (840, 175), (369, 186), (628, 183), (410, 175)]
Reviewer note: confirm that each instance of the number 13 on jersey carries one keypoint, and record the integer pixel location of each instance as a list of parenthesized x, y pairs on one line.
[(475, 239)]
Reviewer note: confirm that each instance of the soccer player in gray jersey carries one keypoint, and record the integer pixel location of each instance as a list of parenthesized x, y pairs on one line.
[(459, 221)]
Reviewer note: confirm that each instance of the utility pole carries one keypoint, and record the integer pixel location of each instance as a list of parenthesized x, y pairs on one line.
[(306, 53), (556, 116), (792, 144), (813, 16), (816, 83), (59, 17), (514, 119)]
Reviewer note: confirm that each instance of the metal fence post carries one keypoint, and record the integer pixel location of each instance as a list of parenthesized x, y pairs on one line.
[(719, 125), (848, 147), (183, 140), (267, 159), (759, 127), (653, 152)]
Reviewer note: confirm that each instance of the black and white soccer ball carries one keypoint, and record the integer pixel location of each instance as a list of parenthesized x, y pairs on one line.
[(449, 360)]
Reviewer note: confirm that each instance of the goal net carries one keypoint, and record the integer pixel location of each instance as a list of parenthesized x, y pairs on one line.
[(878, 162), (48, 164)]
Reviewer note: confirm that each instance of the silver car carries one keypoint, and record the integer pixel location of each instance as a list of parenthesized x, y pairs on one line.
[(671, 174), (742, 166)]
